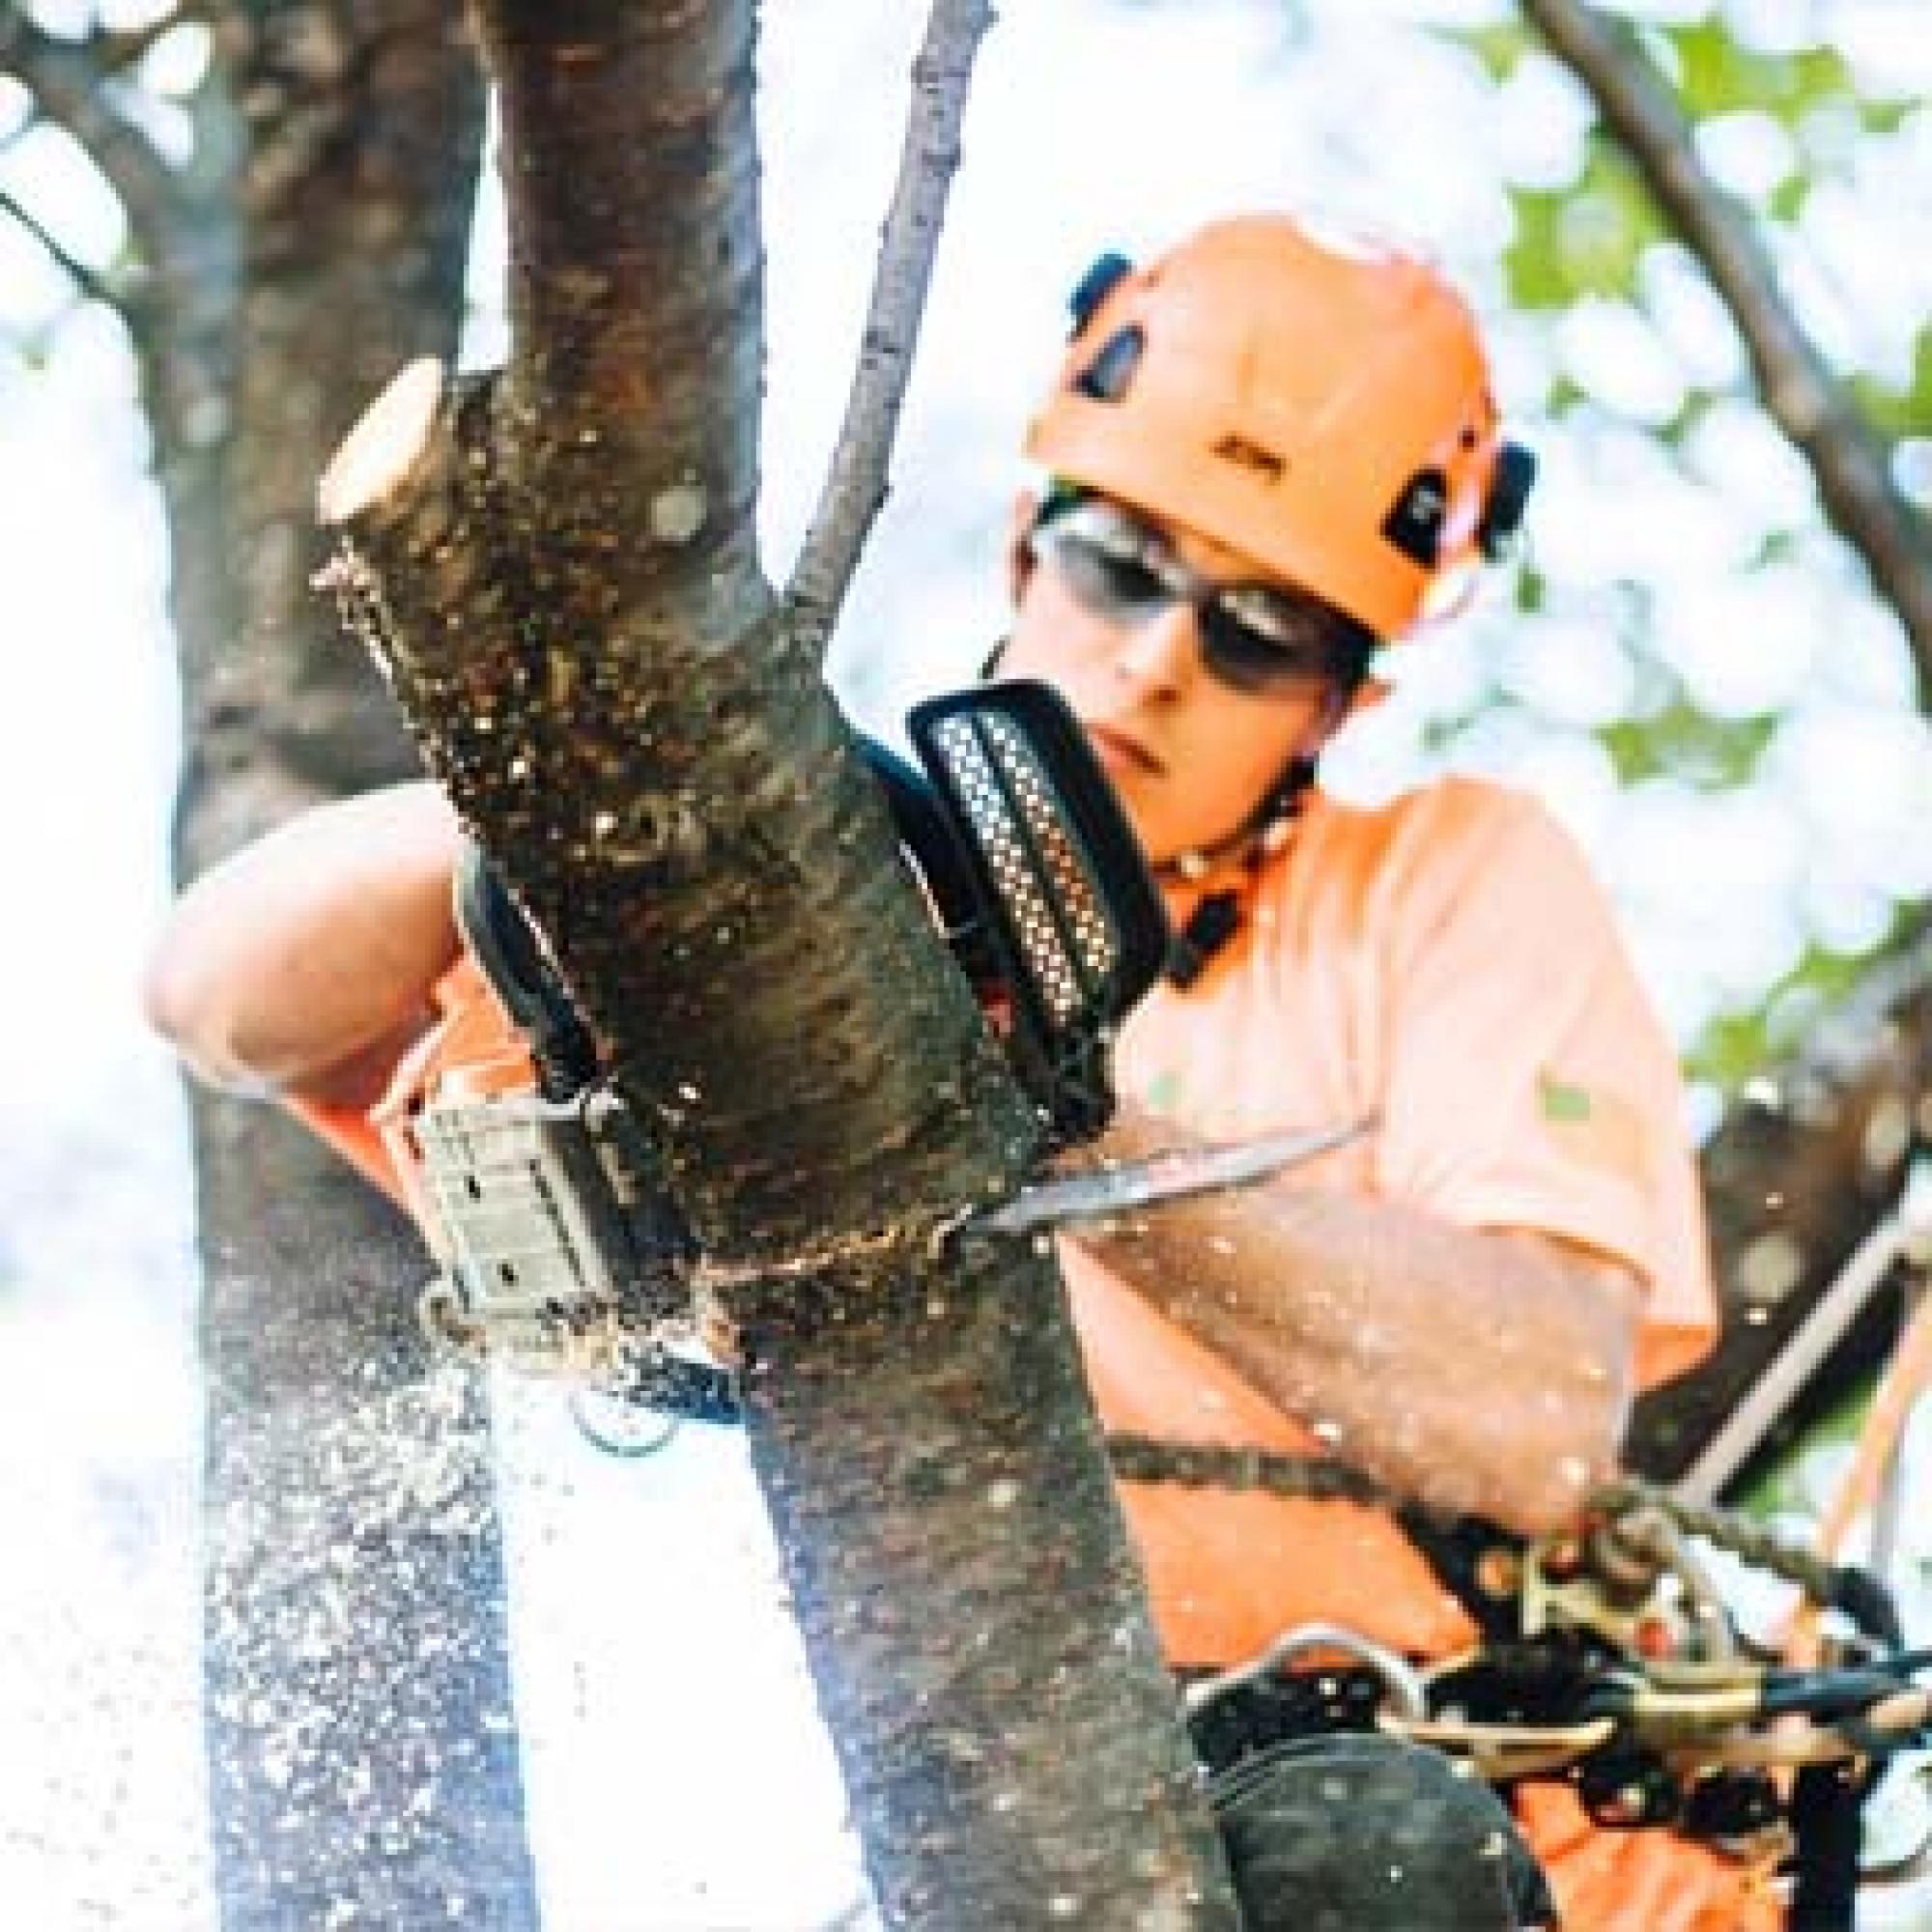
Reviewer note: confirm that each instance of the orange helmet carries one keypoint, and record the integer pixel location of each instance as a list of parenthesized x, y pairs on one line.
[(1322, 405)]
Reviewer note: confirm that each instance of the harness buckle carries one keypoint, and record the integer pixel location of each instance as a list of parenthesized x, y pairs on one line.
[(1400, 1678)]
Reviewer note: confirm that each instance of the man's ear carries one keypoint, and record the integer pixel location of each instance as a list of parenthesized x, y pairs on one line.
[(1020, 559), (1329, 717)]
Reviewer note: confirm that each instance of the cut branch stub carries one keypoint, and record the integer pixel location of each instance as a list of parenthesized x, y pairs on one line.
[(416, 574), (381, 453), (679, 834)]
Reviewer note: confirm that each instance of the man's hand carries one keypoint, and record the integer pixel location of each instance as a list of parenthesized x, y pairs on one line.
[(304, 963)]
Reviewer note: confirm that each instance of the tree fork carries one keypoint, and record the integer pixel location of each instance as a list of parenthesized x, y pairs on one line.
[(676, 801), (681, 834)]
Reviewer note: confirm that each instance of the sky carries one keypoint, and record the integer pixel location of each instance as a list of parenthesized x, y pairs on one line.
[(1092, 125)]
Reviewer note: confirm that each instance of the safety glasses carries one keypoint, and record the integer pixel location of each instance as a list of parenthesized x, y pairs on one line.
[(1261, 639)]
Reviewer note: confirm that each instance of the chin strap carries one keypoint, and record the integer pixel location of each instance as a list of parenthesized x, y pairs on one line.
[(1217, 915), (1209, 926)]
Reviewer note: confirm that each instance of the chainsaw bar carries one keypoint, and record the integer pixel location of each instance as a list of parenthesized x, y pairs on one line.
[(1174, 1175)]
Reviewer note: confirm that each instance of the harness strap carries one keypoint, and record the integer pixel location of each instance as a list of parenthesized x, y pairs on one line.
[(1243, 1722), (1825, 1799)]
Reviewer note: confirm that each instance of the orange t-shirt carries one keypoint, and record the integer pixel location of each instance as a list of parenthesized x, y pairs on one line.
[(1447, 964)]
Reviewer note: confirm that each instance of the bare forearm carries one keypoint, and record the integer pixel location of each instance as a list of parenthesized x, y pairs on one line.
[(306, 959), (1480, 1371)]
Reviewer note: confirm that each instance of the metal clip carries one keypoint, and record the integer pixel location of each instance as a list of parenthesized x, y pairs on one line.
[(1399, 1676)]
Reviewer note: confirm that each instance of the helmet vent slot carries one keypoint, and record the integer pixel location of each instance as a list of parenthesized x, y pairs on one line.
[(1097, 285), (1234, 447), (1509, 497)]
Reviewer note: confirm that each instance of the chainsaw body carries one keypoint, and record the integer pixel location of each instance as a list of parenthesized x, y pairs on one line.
[(560, 1250)]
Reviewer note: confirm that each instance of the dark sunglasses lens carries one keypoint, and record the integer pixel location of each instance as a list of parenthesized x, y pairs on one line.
[(1110, 583), (1252, 660), (1284, 644)]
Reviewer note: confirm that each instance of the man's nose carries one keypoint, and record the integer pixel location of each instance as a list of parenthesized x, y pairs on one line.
[(1162, 654)]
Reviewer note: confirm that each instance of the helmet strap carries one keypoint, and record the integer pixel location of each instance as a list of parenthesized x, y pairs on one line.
[(1207, 928), (1216, 916)]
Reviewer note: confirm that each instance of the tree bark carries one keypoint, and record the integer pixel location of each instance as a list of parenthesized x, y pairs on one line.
[(559, 571), (360, 1751)]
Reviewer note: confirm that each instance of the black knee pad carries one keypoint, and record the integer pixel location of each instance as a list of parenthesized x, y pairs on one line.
[(1361, 1832)]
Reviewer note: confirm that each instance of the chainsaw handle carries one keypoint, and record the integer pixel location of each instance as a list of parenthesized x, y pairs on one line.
[(512, 958)]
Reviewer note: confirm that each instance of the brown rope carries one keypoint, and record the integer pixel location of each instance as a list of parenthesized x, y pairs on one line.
[(1147, 1459)]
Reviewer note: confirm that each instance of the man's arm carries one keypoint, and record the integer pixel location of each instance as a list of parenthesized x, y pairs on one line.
[(305, 962), (1480, 1371)]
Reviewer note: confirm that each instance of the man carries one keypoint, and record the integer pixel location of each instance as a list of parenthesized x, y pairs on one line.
[(1267, 455)]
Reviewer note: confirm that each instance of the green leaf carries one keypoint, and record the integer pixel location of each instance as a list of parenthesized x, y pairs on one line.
[(1718, 73), (1500, 44), (1893, 411), (1887, 116), (1786, 201), (1582, 239), (1737, 1047), (1678, 741)]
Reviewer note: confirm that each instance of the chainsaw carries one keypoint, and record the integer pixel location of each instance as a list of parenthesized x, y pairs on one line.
[(561, 1251)]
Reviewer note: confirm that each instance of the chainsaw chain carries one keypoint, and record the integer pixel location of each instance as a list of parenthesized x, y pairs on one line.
[(1217, 1465)]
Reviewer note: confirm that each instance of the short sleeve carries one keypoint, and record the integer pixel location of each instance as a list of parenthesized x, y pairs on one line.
[(1529, 1083)]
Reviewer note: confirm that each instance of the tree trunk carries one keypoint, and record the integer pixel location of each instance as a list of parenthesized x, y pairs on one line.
[(559, 570), (360, 1750)]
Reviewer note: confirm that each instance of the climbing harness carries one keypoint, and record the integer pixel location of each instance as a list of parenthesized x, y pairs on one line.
[(1606, 1660)]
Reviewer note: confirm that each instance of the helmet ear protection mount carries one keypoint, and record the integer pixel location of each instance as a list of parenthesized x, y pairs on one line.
[(1510, 487), (1321, 404), (1095, 286)]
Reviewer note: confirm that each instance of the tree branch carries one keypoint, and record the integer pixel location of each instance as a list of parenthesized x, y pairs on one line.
[(558, 567), (1847, 461), (95, 286), (119, 50), (64, 79), (855, 487), (635, 315), (1793, 1187)]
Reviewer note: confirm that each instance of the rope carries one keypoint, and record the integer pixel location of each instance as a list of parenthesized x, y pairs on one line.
[(1738, 1535), (1216, 1465), (1145, 1459)]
